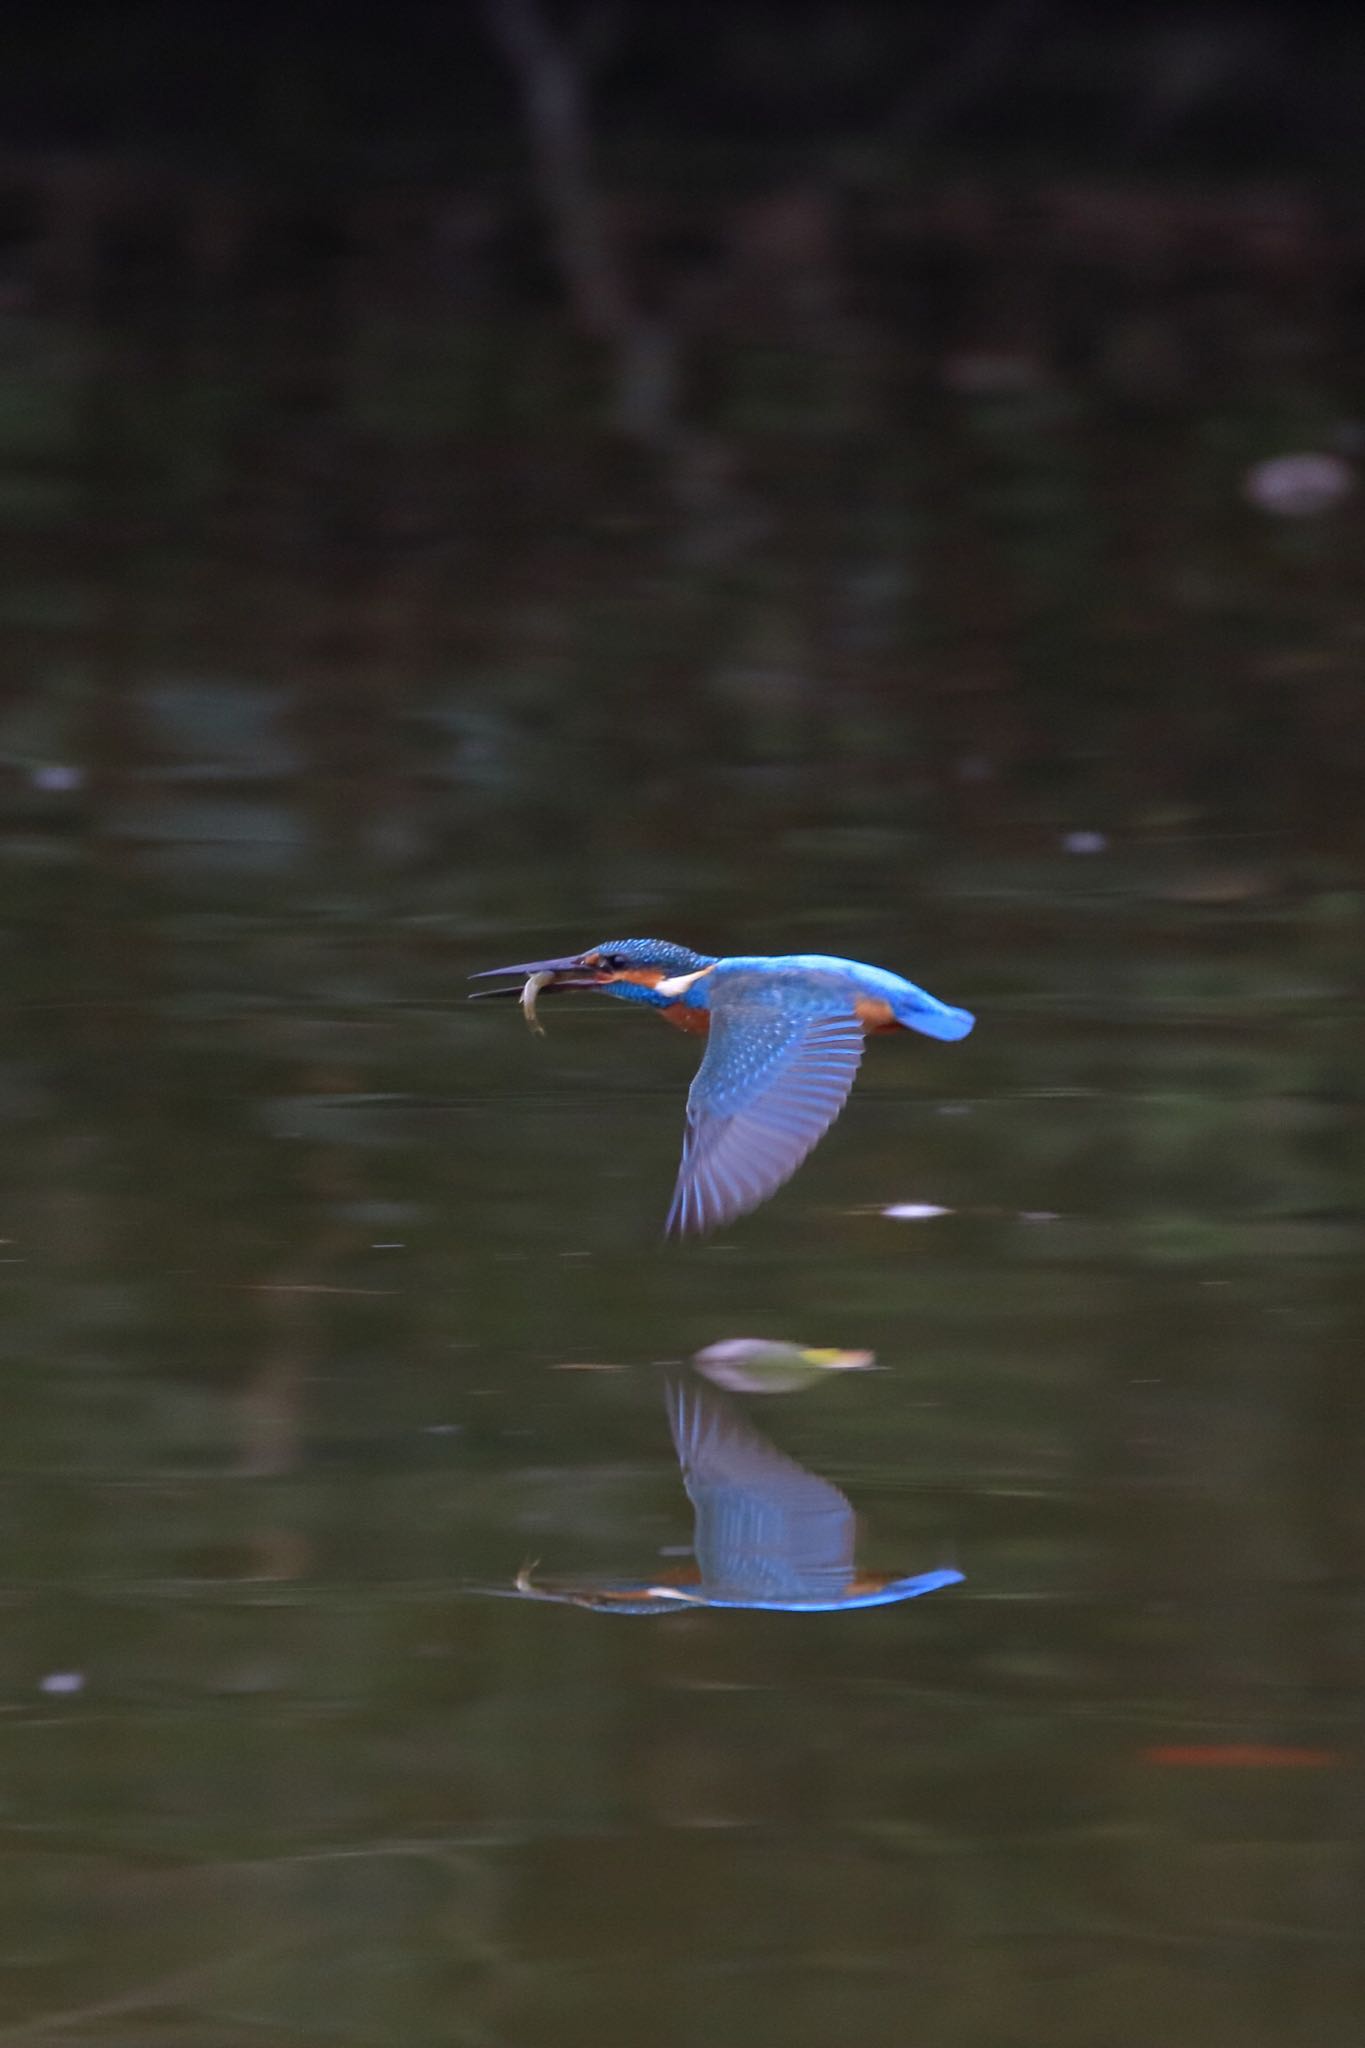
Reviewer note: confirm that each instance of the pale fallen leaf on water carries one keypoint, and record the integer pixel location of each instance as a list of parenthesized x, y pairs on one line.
[(762, 1365)]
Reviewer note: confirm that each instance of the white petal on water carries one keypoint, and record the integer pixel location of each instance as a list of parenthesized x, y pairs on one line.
[(57, 778), (62, 1683), (1299, 486), (1085, 842)]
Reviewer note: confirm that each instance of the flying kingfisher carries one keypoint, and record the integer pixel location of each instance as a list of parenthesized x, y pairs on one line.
[(784, 1037), (766, 1532)]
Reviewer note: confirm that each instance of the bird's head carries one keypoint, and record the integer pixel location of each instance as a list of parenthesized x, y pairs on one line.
[(646, 962)]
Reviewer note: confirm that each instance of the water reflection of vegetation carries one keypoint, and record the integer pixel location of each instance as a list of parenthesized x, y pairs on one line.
[(357, 580)]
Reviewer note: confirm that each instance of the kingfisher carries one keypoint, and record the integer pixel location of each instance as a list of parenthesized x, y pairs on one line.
[(784, 1038), (767, 1533)]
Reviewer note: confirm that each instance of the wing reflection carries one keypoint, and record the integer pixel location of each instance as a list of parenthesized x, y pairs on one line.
[(767, 1532)]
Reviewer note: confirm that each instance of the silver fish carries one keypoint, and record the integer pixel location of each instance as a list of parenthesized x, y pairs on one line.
[(534, 984)]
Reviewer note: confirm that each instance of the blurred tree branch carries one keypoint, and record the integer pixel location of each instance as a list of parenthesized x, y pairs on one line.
[(551, 72), (550, 78), (597, 35)]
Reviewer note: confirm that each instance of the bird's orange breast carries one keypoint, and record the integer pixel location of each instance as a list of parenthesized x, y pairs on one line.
[(874, 1013), (686, 1017)]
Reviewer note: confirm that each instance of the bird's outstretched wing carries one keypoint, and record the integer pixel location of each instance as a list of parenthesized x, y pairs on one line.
[(781, 1058), (767, 1530)]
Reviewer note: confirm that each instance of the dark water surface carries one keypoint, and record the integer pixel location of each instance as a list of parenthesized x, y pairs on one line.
[(951, 613), (298, 1251)]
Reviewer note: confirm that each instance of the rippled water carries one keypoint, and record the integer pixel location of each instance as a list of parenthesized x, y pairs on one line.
[(331, 1302)]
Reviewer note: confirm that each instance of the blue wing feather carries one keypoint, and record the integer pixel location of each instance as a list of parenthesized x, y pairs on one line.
[(766, 1528), (779, 1064)]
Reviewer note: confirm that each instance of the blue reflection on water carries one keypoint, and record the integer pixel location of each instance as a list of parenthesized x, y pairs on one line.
[(768, 1533)]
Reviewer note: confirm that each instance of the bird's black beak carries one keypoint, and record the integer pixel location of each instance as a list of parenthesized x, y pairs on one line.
[(568, 973)]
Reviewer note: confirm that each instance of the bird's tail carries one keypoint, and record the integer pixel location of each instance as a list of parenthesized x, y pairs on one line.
[(919, 1011)]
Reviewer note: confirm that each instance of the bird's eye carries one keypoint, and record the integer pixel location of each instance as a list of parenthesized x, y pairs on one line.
[(617, 960)]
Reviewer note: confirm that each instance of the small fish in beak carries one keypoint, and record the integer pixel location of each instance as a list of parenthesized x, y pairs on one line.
[(538, 975), (534, 984)]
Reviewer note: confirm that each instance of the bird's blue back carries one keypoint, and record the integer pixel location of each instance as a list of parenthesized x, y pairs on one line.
[(910, 1004)]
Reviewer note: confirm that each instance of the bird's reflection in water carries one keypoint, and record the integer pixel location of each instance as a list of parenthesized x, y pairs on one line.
[(767, 1533)]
